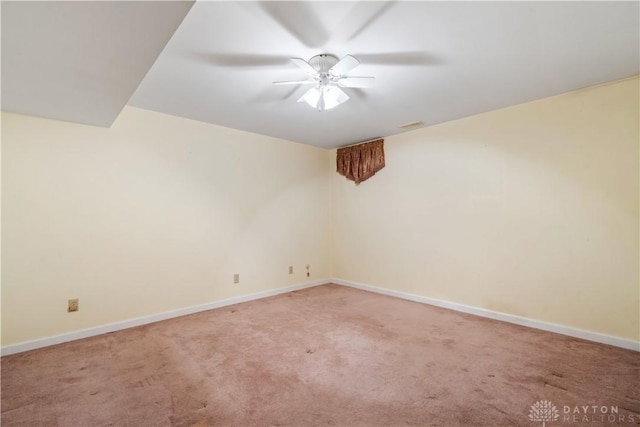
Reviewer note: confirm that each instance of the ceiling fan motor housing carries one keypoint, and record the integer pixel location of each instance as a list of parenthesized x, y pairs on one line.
[(323, 62)]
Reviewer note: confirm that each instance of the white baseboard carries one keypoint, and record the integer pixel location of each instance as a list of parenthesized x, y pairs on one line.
[(510, 318), (103, 329)]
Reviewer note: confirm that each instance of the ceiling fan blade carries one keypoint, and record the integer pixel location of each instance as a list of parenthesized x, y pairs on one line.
[(237, 60), (345, 65), (299, 19), (360, 17), (304, 65), (411, 58), (363, 82), (295, 82)]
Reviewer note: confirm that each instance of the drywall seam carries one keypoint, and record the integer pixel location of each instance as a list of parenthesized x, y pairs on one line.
[(112, 327), (505, 317)]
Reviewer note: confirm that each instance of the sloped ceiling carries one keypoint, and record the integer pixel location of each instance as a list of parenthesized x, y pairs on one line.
[(81, 61), (433, 61)]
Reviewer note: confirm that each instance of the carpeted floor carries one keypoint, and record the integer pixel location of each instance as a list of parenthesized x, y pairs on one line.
[(328, 355)]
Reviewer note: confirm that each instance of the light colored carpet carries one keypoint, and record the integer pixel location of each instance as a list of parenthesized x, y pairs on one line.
[(328, 355)]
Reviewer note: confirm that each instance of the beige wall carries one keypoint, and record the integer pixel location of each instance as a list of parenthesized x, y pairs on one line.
[(153, 214), (530, 210)]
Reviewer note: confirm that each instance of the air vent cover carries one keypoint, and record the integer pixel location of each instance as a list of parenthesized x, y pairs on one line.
[(411, 125)]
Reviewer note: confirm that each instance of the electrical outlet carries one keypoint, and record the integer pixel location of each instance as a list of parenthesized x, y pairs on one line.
[(73, 305), (291, 269), (236, 278), (308, 266)]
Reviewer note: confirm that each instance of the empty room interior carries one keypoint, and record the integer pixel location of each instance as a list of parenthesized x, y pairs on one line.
[(320, 213)]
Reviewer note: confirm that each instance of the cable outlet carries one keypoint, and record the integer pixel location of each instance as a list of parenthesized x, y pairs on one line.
[(73, 305), (291, 269), (236, 278)]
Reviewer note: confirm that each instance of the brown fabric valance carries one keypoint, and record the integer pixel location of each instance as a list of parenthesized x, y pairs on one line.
[(360, 162)]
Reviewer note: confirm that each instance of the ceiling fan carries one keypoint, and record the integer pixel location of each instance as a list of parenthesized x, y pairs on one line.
[(329, 75)]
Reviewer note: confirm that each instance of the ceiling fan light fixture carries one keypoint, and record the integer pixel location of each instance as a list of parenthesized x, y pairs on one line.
[(324, 98), (333, 97), (311, 97)]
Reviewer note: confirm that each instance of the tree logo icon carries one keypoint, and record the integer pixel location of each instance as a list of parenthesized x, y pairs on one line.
[(543, 410)]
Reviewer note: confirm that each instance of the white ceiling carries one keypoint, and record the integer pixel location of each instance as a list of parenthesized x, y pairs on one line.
[(433, 61)]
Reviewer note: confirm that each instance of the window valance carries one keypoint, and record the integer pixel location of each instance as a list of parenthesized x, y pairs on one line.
[(360, 162)]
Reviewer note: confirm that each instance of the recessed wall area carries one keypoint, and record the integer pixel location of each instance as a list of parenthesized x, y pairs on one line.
[(530, 210)]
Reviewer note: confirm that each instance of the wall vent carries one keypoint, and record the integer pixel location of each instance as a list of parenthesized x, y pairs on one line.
[(411, 125)]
